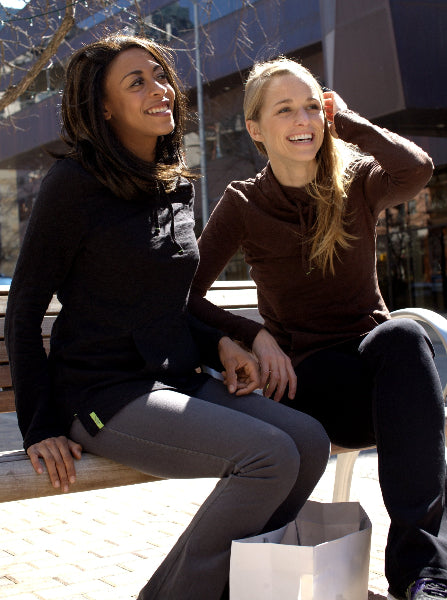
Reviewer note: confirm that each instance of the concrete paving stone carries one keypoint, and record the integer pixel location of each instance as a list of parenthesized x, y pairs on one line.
[(19, 571), (23, 596), (75, 597), (7, 580), (95, 587), (37, 583), (105, 545), (119, 580), (111, 595), (84, 554), (17, 547), (72, 576), (132, 560), (94, 564), (37, 561)]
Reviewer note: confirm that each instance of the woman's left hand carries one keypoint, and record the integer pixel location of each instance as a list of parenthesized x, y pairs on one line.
[(241, 375), (332, 104)]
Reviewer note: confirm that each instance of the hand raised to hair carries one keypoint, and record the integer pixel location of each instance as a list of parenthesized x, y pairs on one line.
[(332, 104)]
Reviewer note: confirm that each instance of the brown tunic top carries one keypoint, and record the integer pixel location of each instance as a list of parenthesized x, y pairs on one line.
[(305, 310)]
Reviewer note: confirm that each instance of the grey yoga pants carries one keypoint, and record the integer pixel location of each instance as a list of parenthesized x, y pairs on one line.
[(267, 456)]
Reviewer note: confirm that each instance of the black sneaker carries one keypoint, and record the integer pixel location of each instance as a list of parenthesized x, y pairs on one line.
[(427, 589)]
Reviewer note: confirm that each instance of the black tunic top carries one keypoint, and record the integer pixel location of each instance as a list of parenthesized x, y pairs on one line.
[(122, 272)]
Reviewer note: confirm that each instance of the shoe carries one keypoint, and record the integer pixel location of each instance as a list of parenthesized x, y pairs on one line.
[(427, 589)]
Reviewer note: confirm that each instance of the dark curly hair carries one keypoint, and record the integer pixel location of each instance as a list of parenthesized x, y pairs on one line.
[(92, 141)]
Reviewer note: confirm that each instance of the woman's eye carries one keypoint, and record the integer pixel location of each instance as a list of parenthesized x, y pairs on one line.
[(314, 107), (137, 82), (284, 109), (162, 77)]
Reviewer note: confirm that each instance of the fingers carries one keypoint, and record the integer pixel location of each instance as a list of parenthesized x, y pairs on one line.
[(328, 100), (265, 373), (291, 375), (244, 389), (57, 454), (34, 458), (282, 383), (276, 382), (248, 377), (75, 449), (230, 378), (333, 103), (276, 368), (241, 369), (277, 373), (242, 378)]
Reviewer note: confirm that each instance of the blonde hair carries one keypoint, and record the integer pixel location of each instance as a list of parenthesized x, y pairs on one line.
[(334, 161)]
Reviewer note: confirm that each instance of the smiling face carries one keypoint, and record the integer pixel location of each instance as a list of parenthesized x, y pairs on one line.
[(138, 101), (291, 127)]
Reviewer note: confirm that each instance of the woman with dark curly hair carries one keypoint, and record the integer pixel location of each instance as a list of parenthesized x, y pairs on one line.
[(112, 234)]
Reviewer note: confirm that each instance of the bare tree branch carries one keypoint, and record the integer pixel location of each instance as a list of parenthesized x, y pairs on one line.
[(13, 92)]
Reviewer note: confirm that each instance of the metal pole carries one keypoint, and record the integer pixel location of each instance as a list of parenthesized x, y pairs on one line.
[(204, 187)]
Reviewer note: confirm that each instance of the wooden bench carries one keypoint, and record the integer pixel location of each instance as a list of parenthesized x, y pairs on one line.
[(18, 480)]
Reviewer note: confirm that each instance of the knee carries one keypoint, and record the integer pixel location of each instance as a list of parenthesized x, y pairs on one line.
[(285, 454), (277, 460), (397, 337), (314, 445)]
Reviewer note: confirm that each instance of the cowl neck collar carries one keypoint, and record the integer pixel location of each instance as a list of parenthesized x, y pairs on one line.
[(289, 204)]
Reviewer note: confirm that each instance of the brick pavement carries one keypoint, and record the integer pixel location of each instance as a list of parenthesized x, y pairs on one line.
[(104, 545)]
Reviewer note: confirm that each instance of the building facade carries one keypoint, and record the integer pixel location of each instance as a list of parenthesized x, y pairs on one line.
[(386, 58)]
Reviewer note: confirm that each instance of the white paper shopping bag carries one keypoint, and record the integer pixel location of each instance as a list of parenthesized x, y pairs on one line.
[(322, 555)]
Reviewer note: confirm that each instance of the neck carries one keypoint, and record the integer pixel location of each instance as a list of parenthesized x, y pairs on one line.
[(294, 174), (146, 154), (142, 148)]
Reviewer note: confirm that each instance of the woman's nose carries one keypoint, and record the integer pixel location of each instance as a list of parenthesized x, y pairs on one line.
[(301, 116), (158, 88)]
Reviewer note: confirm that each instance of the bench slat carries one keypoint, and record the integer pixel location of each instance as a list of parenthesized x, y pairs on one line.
[(7, 401), (233, 298), (53, 308), (5, 377), (4, 354), (47, 324), (19, 481), (243, 284)]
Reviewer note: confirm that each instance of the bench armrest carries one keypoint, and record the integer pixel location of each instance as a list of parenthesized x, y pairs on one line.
[(429, 317), (436, 321)]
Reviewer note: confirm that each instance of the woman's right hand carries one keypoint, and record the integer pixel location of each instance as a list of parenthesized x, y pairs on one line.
[(333, 103), (276, 367), (57, 453)]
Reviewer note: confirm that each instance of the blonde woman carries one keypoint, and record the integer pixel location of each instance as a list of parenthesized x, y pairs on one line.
[(327, 347)]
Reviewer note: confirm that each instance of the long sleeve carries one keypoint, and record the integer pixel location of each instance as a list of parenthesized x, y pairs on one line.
[(206, 339), (306, 310), (400, 168), (219, 241), (51, 241)]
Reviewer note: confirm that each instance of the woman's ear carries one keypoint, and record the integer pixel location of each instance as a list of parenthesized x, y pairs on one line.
[(254, 130), (107, 113)]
